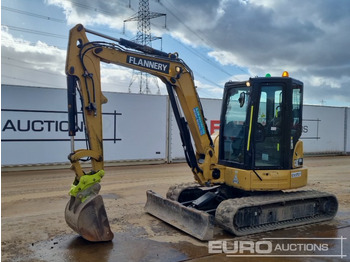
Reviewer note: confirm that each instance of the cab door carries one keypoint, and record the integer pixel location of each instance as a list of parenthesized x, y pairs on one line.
[(269, 127)]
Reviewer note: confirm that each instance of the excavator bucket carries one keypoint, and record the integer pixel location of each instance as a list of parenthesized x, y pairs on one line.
[(89, 218), (192, 221)]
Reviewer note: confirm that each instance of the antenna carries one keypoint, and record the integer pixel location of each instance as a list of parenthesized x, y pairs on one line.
[(143, 37)]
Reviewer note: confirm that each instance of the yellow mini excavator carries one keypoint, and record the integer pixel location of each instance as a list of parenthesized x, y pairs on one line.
[(243, 175)]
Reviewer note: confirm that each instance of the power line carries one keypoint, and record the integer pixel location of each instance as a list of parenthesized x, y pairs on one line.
[(31, 69), (33, 44), (180, 21), (206, 79), (14, 10), (61, 36), (204, 40), (53, 19), (202, 57), (31, 31), (29, 81), (98, 10), (21, 29)]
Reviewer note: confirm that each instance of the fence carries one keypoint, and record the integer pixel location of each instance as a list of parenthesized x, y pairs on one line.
[(136, 127)]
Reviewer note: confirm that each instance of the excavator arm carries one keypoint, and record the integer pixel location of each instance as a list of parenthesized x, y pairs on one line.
[(83, 74), (83, 78)]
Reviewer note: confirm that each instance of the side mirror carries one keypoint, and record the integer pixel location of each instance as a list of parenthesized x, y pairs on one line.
[(241, 99)]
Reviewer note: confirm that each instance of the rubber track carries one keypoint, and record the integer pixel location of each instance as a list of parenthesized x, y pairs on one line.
[(227, 210), (175, 190)]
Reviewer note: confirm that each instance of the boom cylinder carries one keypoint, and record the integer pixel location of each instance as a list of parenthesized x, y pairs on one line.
[(72, 104)]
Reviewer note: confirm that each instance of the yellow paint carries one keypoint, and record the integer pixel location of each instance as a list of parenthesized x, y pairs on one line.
[(250, 127)]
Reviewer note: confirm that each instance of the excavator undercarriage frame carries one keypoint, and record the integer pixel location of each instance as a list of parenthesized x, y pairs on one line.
[(200, 211)]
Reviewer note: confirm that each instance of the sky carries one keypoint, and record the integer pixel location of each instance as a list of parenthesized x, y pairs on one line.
[(220, 40)]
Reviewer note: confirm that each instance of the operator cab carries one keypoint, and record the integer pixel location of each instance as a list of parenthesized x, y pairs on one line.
[(261, 122)]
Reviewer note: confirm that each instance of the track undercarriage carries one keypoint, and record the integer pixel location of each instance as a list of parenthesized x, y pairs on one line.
[(198, 210)]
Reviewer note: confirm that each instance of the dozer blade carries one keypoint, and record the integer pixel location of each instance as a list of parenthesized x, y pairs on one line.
[(192, 221), (89, 218)]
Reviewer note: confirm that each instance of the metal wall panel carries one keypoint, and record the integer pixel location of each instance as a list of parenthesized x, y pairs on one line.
[(212, 109), (35, 128), (136, 127), (140, 127), (31, 119), (323, 129)]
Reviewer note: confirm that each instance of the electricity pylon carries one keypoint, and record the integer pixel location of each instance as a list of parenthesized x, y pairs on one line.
[(143, 37)]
